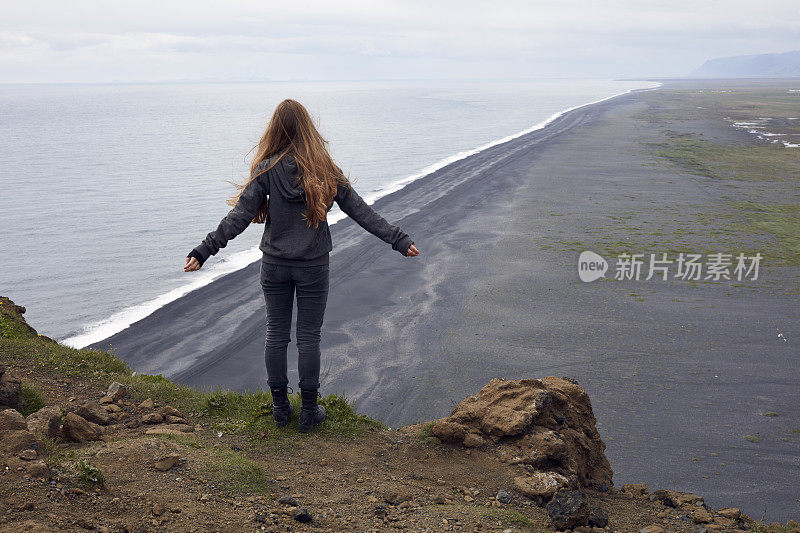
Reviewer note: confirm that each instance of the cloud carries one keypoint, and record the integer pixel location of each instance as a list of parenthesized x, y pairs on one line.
[(351, 39)]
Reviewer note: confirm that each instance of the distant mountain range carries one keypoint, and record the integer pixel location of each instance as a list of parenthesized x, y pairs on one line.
[(786, 64)]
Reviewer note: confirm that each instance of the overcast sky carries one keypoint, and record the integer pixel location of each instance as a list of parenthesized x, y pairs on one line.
[(144, 40)]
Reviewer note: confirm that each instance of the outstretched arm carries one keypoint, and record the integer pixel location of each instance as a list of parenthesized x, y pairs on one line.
[(235, 222), (356, 208)]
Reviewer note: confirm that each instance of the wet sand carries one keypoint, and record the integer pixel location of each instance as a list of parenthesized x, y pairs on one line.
[(676, 372)]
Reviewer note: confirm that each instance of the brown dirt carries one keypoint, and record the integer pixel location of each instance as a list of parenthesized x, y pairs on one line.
[(385, 479)]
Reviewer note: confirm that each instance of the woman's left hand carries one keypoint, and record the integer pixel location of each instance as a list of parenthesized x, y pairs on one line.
[(412, 251), (191, 264)]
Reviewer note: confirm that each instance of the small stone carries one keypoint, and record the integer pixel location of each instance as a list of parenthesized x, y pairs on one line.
[(171, 419), (730, 512), (634, 488), (152, 418), (701, 516), (112, 408), (28, 455), (472, 440), (288, 500), (38, 469), (598, 516), (169, 430), (169, 411), (147, 404), (302, 515), (652, 528), (723, 521), (167, 461), (540, 484), (158, 509), (503, 496), (106, 400), (116, 391)]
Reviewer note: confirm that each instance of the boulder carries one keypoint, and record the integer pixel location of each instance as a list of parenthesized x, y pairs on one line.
[(11, 419), (166, 462), (673, 498), (545, 424), (14, 441), (93, 413), (116, 391), (147, 404), (78, 429), (598, 516), (168, 410), (9, 390), (45, 422), (568, 509), (152, 418), (540, 485), (634, 488)]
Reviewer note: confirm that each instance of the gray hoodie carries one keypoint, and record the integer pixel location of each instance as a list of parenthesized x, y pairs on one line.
[(287, 239)]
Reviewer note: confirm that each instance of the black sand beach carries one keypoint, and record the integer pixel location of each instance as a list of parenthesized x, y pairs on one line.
[(679, 373)]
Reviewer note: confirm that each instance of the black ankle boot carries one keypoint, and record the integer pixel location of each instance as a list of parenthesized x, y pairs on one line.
[(281, 408), (311, 414)]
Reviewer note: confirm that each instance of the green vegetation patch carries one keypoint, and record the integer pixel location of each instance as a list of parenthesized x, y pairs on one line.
[(234, 473), (780, 221), (713, 160), (228, 411), (32, 399)]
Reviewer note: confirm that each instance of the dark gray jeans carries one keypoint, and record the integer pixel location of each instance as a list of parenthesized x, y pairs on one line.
[(279, 283)]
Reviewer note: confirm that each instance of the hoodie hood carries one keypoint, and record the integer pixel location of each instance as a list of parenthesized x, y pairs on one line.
[(286, 179)]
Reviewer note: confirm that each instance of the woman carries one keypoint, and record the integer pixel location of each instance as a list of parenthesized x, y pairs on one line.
[(293, 184)]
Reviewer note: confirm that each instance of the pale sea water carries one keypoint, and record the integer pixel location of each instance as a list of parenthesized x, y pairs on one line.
[(106, 188)]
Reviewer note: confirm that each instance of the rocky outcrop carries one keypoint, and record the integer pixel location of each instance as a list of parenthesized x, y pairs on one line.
[(546, 426)]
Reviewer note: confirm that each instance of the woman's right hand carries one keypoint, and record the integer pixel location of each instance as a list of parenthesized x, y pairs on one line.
[(412, 251), (191, 264)]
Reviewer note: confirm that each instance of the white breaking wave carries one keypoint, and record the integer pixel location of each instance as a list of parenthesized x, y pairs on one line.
[(117, 322)]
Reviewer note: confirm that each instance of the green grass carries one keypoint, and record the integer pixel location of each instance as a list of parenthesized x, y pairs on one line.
[(90, 475), (32, 399), (781, 221), (506, 515), (234, 473), (232, 412), (753, 438)]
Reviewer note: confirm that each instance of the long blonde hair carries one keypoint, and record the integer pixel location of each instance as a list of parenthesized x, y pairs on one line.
[(291, 131)]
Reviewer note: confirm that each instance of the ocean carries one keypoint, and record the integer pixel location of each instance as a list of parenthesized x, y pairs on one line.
[(107, 187)]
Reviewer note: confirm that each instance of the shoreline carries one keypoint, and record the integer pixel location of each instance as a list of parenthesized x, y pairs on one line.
[(98, 331), (680, 374)]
